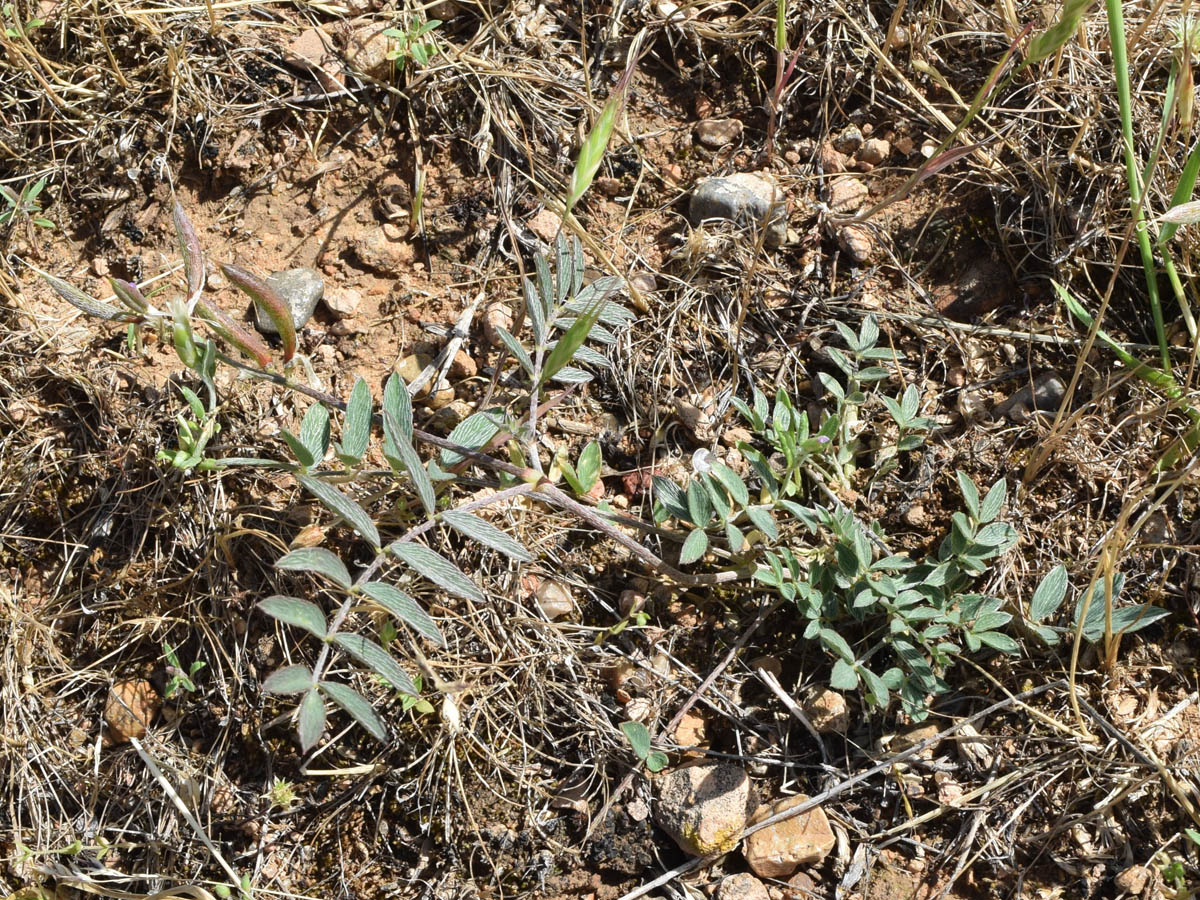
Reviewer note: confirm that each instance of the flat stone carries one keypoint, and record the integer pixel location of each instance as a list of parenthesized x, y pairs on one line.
[(367, 49), (703, 807), (342, 302), (301, 290), (742, 886), (379, 251), (1133, 880), (718, 133), (828, 712), (410, 367), (778, 850), (830, 160), (743, 198), (545, 225), (846, 195)]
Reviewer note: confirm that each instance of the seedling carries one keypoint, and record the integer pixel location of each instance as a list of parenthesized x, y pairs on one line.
[(25, 205), (639, 739), (409, 44), (181, 679)]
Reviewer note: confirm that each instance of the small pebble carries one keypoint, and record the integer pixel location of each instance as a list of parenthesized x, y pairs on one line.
[(874, 151), (849, 140), (858, 242), (554, 600), (342, 302), (644, 282), (717, 133)]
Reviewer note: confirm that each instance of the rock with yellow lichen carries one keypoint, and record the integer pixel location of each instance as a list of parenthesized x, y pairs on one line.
[(704, 806)]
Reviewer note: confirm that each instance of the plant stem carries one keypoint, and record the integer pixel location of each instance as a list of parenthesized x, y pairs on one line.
[(1116, 29)]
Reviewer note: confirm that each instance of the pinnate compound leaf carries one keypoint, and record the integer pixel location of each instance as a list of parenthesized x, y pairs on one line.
[(639, 738), (268, 300), (356, 517), (294, 611), (288, 680), (377, 659), (404, 608), (486, 533), (359, 708), (310, 719), (319, 560), (693, 547), (437, 569), (356, 428)]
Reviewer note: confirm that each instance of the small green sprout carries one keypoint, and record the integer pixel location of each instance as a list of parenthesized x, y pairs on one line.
[(24, 205), (410, 46), (639, 739), (180, 679)]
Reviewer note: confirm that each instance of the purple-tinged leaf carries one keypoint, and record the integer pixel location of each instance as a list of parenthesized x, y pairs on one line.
[(266, 299), (128, 293), (189, 248), (231, 332), (84, 302)]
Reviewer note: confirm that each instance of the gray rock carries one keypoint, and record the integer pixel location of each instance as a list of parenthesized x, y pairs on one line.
[(301, 290), (704, 807), (745, 199), (1044, 396)]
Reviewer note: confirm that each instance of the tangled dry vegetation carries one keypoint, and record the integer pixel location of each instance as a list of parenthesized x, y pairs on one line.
[(420, 191)]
